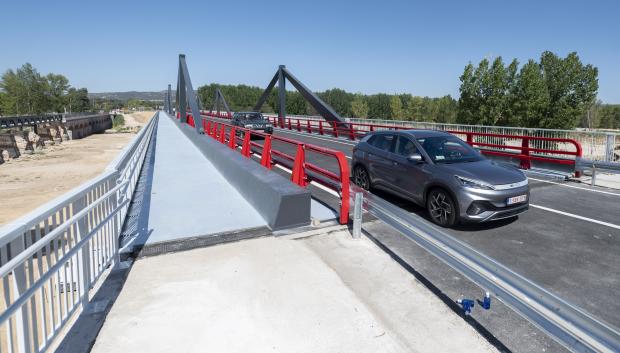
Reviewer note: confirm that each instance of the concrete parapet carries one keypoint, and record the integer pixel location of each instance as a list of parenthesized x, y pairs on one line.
[(83, 126)]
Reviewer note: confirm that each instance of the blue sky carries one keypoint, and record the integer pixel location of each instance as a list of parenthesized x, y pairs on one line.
[(418, 47)]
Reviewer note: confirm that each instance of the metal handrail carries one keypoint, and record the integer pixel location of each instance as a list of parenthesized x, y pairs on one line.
[(571, 326), (52, 257), (301, 171)]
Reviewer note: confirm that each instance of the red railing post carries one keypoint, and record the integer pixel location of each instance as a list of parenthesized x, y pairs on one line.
[(245, 149), (351, 132), (289, 123), (223, 134), (344, 191), (309, 127), (525, 153), (208, 128), (265, 159), (214, 130), (335, 128), (232, 142), (298, 125), (299, 173), (470, 139), (372, 128), (320, 127)]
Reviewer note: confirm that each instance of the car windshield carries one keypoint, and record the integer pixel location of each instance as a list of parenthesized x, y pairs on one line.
[(251, 116), (449, 149)]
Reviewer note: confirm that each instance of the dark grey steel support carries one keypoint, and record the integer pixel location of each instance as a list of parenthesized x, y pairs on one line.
[(219, 98), (182, 97), (281, 94), (169, 101), (187, 92), (321, 107), (265, 95)]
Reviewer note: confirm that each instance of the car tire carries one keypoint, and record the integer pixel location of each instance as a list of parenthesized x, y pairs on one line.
[(361, 177), (441, 208)]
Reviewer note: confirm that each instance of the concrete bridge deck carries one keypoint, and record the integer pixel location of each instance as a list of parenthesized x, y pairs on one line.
[(185, 196)]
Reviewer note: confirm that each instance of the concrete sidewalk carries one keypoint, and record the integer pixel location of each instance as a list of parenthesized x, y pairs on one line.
[(327, 293)]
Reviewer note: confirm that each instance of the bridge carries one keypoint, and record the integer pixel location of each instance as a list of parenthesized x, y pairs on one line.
[(108, 265), (47, 129)]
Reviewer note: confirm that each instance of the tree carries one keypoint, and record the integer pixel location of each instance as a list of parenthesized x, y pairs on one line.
[(359, 107), (468, 111), (295, 103), (338, 99), (28, 92), (530, 95), (553, 94), (57, 85), (396, 108), (2, 103), (379, 106), (77, 100), (572, 89)]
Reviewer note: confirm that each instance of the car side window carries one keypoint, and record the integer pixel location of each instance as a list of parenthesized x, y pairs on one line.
[(405, 147), (383, 142)]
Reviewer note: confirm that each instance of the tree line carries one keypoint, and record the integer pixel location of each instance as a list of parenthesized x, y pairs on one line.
[(357, 105), (554, 92), (26, 91)]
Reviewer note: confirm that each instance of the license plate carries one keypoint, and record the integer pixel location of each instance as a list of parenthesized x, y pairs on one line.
[(516, 199)]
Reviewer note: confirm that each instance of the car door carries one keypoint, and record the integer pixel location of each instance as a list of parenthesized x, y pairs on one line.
[(378, 162), (407, 177)]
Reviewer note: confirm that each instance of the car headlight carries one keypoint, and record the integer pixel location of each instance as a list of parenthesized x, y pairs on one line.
[(474, 184), (268, 125), (248, 126)]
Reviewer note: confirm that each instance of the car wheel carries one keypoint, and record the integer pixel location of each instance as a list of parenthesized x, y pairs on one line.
[(441, 208), (361, 177)]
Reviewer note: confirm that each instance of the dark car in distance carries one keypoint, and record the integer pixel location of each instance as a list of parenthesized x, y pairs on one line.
[(252, 120), (442, 173)]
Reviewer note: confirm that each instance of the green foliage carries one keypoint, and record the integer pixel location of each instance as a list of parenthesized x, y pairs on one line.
[(554, 93), (338, 99), (26, 91), (118, 121), (359, 107), (396, 108), (378, 106), (77, 100)]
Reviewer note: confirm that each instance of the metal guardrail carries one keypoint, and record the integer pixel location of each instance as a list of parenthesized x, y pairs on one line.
[(597, 145), (8, 122), (574, 328), (302, 171), (596, 166), (52, 257)]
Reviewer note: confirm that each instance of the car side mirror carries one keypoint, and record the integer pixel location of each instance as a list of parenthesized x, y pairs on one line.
[(415, 158)]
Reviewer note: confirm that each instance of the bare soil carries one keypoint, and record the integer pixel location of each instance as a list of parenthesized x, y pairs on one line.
[(32, 180)]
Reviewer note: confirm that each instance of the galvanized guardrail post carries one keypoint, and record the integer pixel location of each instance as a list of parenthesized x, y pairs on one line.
[(357, 215)]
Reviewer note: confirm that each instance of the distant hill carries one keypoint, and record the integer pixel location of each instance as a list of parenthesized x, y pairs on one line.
[(125, 96)]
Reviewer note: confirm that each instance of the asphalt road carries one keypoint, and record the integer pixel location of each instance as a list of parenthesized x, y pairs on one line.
[(568, 242)]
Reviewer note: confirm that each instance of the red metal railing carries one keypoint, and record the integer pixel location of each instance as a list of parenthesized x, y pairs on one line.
[(302, 171), (525, 150)]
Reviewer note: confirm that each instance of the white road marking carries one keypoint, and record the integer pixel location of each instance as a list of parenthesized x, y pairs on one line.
[(319, 137), (575, 187), (577, 216)]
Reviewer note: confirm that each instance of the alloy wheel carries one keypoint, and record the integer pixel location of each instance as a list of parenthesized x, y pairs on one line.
[(441, 208), (361, 178)]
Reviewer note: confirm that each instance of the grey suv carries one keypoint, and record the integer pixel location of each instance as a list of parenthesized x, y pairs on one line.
[(439, 171)]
